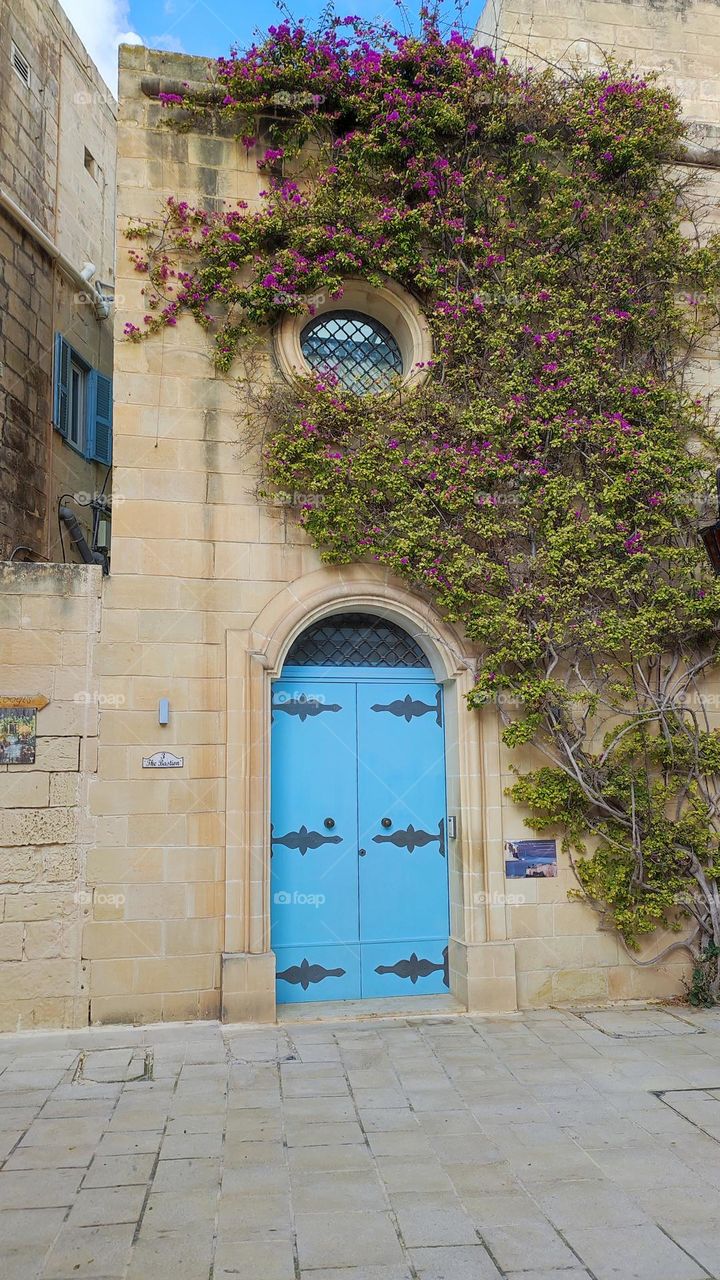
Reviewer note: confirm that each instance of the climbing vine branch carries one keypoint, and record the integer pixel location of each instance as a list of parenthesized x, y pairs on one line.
[(542, 483)]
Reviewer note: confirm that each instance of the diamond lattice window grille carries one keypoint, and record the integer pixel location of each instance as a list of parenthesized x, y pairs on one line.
[(360, 352), (355, 640)]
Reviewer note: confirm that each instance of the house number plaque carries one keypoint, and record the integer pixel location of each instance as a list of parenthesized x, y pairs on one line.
[(163, 760)]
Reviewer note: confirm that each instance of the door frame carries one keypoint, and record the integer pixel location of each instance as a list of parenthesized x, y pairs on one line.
[(482, 964), (357, 677)]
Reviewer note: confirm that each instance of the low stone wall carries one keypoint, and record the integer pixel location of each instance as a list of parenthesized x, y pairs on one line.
[(49, 626)]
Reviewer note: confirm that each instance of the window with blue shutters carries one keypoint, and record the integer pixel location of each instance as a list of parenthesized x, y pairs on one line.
[(100, 434), (82, 404), (62, 378)]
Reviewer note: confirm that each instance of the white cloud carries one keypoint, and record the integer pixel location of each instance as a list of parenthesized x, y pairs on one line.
[(102, 25), (173, 44)]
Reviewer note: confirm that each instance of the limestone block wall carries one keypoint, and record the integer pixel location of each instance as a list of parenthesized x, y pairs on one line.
[(678, 38), (49, 627), (194, 555), (57, 163), (560, 953), (564, 952)]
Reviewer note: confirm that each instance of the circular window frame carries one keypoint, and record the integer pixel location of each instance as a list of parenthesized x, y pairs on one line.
[(390, 305)]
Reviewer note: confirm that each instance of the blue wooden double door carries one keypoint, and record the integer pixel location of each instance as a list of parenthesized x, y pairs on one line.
[(359, 880)]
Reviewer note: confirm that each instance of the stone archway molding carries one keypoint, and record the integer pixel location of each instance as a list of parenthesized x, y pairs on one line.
[(254, 659)]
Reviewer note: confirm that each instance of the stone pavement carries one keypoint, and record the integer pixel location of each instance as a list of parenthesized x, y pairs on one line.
[(535, 1146)]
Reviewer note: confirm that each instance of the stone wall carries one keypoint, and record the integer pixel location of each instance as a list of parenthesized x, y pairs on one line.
[(49, 627), (560, 953), (194, 554), (198, 561), (206, 582), (57, 163), (26, 300), (678, 38)]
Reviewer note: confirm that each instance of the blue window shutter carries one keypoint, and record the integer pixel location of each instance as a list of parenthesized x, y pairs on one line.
[(61, 377), (99, 435)]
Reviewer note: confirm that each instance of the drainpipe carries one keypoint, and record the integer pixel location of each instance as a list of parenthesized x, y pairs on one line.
[(81, 279), (78, 539)]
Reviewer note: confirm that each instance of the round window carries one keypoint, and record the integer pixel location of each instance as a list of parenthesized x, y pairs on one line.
[(359, 351)]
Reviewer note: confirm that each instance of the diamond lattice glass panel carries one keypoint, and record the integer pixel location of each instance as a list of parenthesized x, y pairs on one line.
[(360, 352), (355, 640)]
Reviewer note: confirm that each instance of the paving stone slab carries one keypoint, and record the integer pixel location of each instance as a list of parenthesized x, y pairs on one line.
[(30, 1227), (701, 1244), (639, 1024), (243, 1219), (31, 1189), (130, 1142), (176, 1255), (528, 1245), (187, 1174), (538, 1135), (298, 1134), (254, 1260), (387, 1119), (399, 1175), (346, 1240), (634, 1253), (255, 1179), (434, 1224), (177, 1146), (589, 1203), (176, 1211), (338, 1189), (98, 1206), (91, 1252), (358, 1273), (50, 1157), (119, 1171), (466, 1262), (568, 1273), (353, 1156)]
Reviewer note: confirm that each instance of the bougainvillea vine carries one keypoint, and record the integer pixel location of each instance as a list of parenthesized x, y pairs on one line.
[(541, 481)]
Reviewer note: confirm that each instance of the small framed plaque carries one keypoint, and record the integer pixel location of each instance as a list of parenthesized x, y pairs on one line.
[(530, 859), (163, 760), (18, 726)]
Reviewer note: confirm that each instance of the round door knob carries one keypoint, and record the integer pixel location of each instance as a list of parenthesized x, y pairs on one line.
[(329, 823), (362, 852), (386, 822)]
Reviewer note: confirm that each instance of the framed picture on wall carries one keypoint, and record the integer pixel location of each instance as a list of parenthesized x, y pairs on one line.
[(18, 735), (530, 859)]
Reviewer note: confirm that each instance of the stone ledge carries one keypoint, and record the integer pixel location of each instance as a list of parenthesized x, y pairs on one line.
[(248, 987)]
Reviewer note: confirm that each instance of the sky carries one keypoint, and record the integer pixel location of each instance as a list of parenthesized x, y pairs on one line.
[(212, 27)]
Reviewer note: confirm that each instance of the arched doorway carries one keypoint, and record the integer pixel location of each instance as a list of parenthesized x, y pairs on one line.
[(359, 881)]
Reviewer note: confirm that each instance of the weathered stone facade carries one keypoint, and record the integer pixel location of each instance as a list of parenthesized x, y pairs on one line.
[(209, 587), (57, 165), (49, 630), (678, 38)]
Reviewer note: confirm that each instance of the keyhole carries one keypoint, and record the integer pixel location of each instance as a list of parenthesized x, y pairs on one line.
[(362, 852), (386, 822), (329, 823)]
